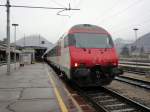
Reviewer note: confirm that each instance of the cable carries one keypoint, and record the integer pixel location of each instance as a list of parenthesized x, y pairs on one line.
[(109, 9), (41, 7), (35, 7), (122, 11), (59, 13), (137, 24), (74, 7), (2, 5)]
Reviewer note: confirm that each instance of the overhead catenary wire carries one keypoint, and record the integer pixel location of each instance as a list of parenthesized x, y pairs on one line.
[(130, 27), (59, 13), (122, 11), (79, 1), (134, 21), (39, 7), (142, 23), (109, 9), (52, 1), (2, 5)]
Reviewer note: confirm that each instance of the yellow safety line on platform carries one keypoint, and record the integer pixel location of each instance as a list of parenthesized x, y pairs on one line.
[(59, 98)]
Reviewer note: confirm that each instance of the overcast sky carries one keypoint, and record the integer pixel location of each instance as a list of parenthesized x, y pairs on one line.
[(119, 17)]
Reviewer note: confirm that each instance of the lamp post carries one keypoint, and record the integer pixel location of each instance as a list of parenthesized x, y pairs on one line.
[(8, 37), (15, 25), (135, 30)]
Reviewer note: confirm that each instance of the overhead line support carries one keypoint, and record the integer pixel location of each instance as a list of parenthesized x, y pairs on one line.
[(8, 24)]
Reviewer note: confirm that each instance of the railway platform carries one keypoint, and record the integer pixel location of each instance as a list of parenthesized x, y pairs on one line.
[(32, 88)]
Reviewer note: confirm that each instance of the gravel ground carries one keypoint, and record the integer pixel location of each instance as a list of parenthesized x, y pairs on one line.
[(138, 94)]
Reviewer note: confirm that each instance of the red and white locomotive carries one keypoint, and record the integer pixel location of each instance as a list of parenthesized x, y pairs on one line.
[(86, 54)]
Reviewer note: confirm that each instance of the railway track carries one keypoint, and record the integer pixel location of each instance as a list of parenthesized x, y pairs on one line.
[(135, 71), (136, 82), (106, 100), (142, 68)]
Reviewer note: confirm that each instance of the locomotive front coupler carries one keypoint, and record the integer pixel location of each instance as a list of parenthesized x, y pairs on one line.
[(81, 72)]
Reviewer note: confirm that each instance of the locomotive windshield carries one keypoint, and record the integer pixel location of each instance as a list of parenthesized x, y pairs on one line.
[(90, 40)]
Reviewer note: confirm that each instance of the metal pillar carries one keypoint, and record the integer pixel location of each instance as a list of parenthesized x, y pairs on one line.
[(135, 30), (8, 37)]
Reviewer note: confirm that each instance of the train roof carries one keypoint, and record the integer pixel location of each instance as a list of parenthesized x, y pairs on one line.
[(88, 28), (81, 28)]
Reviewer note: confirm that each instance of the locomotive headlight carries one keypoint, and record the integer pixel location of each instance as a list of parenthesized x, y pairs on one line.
[(115, 63), (76, 64)]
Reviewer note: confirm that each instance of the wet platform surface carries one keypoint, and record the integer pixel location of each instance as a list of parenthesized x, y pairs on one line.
[(28, 89)]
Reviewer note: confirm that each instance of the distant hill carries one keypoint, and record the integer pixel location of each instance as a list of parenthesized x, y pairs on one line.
[(34, 40)]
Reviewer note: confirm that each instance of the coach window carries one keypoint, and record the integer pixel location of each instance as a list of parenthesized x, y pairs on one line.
[(66, 41)]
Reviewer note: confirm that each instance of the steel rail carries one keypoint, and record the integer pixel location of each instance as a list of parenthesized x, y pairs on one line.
[(116, 102), (106, 100), (135, 63), (142, 107), (135, 72), (132, 81)]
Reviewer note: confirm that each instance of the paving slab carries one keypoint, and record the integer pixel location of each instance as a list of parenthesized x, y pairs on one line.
[(4, 85), (35, 106), (9, 94), (27, 89), (4, 107), (3, 68), (38, 93)]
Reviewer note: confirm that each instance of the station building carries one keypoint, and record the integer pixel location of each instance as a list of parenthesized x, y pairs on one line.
[(27, 48), (34, 45)]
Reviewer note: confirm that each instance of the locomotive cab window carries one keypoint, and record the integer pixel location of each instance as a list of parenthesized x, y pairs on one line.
[(92, 40), (69, 40), (72, 40), (66, 41)]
